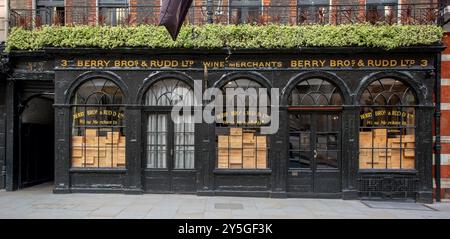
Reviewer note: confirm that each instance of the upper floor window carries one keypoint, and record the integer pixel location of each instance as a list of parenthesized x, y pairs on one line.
[(113, 12), (245, 11)]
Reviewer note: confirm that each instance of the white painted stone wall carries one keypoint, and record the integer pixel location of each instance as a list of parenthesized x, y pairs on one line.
[(3, 19)]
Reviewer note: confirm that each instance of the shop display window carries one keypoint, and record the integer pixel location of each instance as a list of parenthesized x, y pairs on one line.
[(239, 142), (387, 126), (98, 133)]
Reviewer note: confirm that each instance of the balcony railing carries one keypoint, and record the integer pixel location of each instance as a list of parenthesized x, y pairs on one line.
[(198, 15)]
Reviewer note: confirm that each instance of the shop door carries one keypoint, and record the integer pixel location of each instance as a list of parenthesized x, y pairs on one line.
[(169, 154), (314, 152)]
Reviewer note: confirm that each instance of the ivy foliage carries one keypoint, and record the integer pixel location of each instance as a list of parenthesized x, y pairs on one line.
[(233, 36)]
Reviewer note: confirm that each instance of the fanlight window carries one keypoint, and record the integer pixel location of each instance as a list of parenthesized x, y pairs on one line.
[(169, 93), (98, 134), (387, 126), (315, 92), (388, 92)]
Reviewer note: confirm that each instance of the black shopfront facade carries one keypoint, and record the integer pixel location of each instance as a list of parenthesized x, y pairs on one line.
[(354, 122)]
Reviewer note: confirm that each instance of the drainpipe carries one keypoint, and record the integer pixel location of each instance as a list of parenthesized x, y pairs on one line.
[(437, 118), (209, 8), (437, 123)]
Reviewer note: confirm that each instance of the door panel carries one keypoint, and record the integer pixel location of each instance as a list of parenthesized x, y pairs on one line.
[(314, 152), (169, 154)]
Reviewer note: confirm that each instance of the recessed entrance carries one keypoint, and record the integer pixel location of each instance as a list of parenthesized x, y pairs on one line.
[(36, 141), (314, 152)]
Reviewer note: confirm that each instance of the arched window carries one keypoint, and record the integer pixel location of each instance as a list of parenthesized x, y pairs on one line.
[(314, 134), (387, 125), (98, 134), (239, 142), (169, 139), (315, 92)]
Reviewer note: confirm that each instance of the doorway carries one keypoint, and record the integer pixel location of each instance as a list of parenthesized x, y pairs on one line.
[(314, 155), (36, 141)]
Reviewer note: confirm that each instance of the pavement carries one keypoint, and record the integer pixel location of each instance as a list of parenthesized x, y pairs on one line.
[(39, 202)]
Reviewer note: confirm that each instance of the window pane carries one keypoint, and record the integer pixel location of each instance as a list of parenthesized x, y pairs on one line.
[(184, 142), (242, 148), (157, 141), (315, 92), (98, 135), (386, 138)]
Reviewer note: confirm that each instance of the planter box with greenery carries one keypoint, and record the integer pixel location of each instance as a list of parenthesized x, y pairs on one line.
[(215, 36)]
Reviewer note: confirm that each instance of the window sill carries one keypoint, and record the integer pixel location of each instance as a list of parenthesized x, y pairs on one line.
[(386, 171), (98, 170), (242, 171), (167, 170)]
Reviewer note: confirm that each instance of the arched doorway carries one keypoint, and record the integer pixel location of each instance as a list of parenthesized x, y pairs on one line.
[(314, 144), (169, 142), (36, 140)]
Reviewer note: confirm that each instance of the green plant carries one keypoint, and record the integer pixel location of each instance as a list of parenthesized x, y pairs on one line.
[(219, 36)]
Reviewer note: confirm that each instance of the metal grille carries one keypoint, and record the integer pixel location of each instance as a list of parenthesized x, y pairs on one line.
[(387, 187)]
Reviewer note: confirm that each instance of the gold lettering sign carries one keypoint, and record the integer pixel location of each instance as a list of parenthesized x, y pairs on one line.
[(98, 117), (250, 118), (379, 118), (269, 63)]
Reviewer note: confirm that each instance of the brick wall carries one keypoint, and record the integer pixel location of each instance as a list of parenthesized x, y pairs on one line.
[(20, 4), (445, 120), (3, 19)]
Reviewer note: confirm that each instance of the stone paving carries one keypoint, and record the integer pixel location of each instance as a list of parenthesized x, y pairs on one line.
[(39, 202)]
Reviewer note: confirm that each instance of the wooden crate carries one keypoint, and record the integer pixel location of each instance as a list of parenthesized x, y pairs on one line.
[(409, 150), (261, 142), (112, 137), (236, 142), (395, 161), (91, 133), (223, 161), (121, 158), (261, 159), (77, 141), (236, 131), (365, 158), (222, 165), (222, 152), (249, 152), (248, 138), (408, 139), (236, 165), (408, 163), (249, 162), (235, 156), (365, 139), (222, 141), (380, 132), (379, 142)]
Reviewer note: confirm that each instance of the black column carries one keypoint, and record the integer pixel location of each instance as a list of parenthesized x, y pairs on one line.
[(424, 154), (350, 148), (278, 156), (134, 146), (205, 158), (62, 149), (2, 136), (12, 162)]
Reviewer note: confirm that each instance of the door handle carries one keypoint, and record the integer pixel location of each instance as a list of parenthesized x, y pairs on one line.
[(315, 153)]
